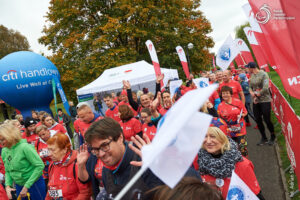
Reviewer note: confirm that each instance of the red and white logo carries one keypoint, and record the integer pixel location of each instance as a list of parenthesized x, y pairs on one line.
[(264, 14)]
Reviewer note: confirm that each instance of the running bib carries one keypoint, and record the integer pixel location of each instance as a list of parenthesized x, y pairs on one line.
[(55, 193), (44, 153)]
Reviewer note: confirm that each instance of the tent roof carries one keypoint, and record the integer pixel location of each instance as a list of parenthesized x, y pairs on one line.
[(136, 73)]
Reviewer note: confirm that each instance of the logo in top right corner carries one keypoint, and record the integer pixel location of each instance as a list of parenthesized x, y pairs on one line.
[(265, 13)]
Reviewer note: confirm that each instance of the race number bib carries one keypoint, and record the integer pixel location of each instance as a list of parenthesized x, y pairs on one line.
[(55, 193), (44, 153)]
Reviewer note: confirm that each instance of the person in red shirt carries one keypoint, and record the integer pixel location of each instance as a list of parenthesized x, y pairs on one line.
[(52, 125), (3, 194), (237, 91), (42, 149), (130, 125), (233, 111), (63, 172), (112, 110), (29, 133), (148, 127), (167, 102), (125, 101), (219, 77), (87, 117), (218, 148), (41, 114)]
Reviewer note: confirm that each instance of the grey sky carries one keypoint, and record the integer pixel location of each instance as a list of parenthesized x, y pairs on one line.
[(27, 16)]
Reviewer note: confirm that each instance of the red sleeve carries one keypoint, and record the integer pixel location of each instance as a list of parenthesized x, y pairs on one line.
[(62, 128), (245, 170), (2, 168), (85, 190), (137, 126), (239, 87)]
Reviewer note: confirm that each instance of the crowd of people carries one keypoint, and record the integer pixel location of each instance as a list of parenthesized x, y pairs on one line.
[(43, 159)]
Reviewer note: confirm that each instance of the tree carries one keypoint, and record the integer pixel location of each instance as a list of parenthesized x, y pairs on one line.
[(89, 36), (11, 41)]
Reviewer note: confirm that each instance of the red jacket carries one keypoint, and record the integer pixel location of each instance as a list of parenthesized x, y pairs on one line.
[(42, 149), (149, 130), (3, 195), (131, 128), (244, 170), (64, 183), (58, 128), (113, 113), (229, 113), (32, 139)]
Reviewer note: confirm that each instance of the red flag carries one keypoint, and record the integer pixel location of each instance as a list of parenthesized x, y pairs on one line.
[(244, 51), (240, 61), (260, 37), (154, 59), (214, 63), (256, 48), (291, 8), (273, 22), (183, 61)]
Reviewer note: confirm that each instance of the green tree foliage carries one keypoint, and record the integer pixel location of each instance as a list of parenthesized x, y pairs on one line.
[(89, 36), (11, 41), (239, 33)]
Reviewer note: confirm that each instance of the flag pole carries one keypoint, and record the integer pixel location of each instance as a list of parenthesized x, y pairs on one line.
[(130, 183)]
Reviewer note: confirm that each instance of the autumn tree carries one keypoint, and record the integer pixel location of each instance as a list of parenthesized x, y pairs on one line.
[(11, 41), (89, 36)]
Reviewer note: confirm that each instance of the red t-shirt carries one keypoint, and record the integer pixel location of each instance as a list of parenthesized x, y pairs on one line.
[(236, 88), (149, 130), (213, 97), (230, 113), (131, 128), (113, 113), (244, 170)]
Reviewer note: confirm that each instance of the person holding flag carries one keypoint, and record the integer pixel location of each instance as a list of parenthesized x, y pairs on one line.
[(217, 159)]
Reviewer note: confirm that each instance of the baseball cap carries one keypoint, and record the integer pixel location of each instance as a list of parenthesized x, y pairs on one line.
[(251, 65)]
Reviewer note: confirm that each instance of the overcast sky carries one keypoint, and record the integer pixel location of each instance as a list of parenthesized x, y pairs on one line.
[(27, 17)]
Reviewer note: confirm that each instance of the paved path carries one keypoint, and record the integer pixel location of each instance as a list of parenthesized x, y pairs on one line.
[(266, 166)]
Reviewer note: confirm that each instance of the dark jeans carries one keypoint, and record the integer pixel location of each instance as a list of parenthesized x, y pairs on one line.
[(263, 111), (250, 113)]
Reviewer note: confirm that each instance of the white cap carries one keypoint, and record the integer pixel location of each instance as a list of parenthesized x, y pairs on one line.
[(81, 104)]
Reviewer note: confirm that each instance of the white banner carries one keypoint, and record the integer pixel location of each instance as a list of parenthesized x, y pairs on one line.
[(173, 86)]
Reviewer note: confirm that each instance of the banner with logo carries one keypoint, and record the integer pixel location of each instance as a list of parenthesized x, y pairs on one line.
[(62, 94), (259, 35), (273, 22), (183, 61), (154, 59), (174, 85), (201, 82), (290, 124), (226, 53), (244, 50), (257, 50)]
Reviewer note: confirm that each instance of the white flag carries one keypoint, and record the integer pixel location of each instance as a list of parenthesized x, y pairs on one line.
[(201, 82), (179, 137), (250, 15), (239, 190), (226, 54), (250, 36), (241, 45), (173, 86)]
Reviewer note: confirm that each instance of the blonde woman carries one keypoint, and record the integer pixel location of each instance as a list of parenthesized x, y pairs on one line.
[(23, 165), (218, 157)]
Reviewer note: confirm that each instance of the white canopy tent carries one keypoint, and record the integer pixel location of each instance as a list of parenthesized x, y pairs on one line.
[(140, 74)]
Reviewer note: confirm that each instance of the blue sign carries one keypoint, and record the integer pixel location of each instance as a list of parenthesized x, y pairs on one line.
[(203, 84), (26, 81), (225, 52), (235, 193)]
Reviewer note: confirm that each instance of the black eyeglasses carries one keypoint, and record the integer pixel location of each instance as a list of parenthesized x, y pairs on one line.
[(105, 147)]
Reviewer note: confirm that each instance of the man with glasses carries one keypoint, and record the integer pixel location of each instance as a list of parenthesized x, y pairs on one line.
[(108, 147)]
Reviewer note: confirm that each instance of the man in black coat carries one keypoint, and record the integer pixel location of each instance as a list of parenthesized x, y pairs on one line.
[(64, 120)]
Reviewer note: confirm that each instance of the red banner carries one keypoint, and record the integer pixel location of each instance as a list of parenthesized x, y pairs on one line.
[(240, 61), (183, 61), (290, 124), (273, 22)]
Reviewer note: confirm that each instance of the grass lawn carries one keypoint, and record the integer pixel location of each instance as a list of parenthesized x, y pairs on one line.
[(295, 103)]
